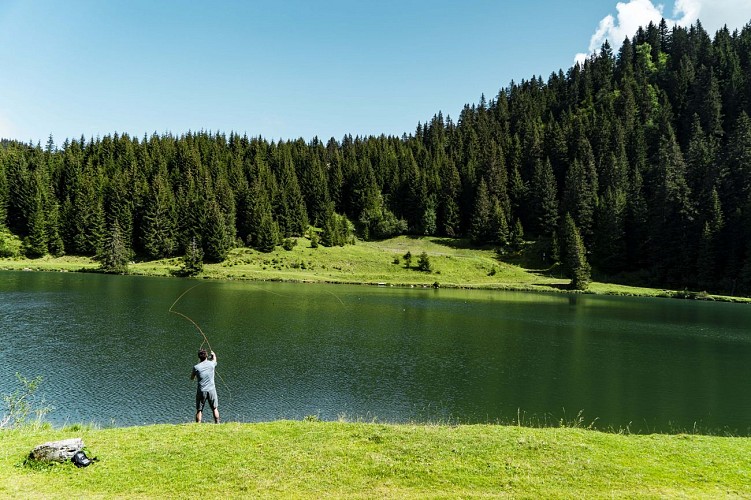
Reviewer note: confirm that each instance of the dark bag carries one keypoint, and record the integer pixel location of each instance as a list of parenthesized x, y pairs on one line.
[(80, 459)]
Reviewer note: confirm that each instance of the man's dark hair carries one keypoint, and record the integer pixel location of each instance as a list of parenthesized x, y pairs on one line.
[(202, 354)]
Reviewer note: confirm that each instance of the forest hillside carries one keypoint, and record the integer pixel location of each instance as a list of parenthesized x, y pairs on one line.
[(635, 165)]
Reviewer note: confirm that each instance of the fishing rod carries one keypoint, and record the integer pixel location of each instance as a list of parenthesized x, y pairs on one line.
[(205, 338), (171, 309)]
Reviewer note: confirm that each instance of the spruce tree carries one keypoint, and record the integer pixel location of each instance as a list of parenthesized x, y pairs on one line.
[(609, 249), (36, 239), (480, 230), (55, 244), (290, 205), (331, 231), (423, 263), (158, 227), (544, 198), (268, 233), (192, 261), (672, 213), (218, 238), (449, 216), (3, 193), (574, 260), (113, 254)]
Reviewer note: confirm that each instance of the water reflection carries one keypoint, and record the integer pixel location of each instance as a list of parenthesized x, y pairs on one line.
[(389, 354)]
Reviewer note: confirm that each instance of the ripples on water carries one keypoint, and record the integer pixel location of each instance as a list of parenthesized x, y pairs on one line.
[(111, 353)]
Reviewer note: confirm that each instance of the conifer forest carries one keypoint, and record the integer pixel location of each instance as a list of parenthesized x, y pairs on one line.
[(636, 164)]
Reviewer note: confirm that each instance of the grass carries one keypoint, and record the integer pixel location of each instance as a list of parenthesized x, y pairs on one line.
[(311, 459), (454, 264)]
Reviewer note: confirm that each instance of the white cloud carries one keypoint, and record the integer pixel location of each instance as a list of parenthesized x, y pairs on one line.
[(713, 14)]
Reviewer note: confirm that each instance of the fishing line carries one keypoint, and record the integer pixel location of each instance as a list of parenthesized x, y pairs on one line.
[(205, 338), (264, 290), (335, 296)]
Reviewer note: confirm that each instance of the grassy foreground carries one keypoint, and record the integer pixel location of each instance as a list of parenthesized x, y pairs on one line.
[(365, 460), (454, 264)]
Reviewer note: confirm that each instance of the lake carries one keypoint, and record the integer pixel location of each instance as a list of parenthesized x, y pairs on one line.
[(111, 353)]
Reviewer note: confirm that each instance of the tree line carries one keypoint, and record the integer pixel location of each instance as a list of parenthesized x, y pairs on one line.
[(637, 164)]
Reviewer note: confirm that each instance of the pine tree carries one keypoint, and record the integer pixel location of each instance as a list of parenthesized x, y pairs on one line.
[(218, 237), (290, 205), (84, 214), (35, 243), (609, 249), (580, 197), (113, 255), (423, 263), (481, 228), (707, 259), (267, 234), (736, 171), (3, 193), (544, 198), (449, 215), (574, 260), (672, 213), (414, 195), (158, 237), (331, 230), (118, 207), (517, 235), (55, 244), (21, 189), (192, 261), (499, 223), (316, 189)]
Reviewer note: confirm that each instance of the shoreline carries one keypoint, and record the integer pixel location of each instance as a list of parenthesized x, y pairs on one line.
[(454, 264)]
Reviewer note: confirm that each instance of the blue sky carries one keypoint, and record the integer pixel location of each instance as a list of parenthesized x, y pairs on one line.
[(289, 69)]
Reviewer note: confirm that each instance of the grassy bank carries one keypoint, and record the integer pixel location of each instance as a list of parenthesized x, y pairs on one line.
[(453, 262), (365, 460)]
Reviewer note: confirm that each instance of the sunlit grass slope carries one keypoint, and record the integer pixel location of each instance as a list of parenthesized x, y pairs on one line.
[(453, 264), (366, 460)]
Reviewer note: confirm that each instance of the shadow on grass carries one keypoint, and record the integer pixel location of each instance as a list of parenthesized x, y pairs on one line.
[(459, 244)]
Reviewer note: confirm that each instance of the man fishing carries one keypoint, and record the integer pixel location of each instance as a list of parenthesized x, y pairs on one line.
[(205, 390)]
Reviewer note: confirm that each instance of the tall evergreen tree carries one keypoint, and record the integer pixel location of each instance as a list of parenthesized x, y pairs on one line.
[(580, 196), (290, 205), (481, 228), (671, 213), (3, 192), (544, 198), (449, 215), (113, 254), (315, 189), (218, 236), (609, 249), (158, 236), (84, 214), (192, 261), (574, 259), (36, 241)]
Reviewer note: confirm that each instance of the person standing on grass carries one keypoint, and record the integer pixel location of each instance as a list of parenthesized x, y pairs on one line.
[(206, 389)]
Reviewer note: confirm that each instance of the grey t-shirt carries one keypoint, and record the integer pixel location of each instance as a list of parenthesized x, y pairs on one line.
[(204, 371)]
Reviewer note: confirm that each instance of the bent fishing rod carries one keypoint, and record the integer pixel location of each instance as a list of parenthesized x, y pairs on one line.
[(171, 309), (205, 338)]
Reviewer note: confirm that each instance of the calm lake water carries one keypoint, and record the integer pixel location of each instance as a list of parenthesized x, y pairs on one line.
[(111, 353)]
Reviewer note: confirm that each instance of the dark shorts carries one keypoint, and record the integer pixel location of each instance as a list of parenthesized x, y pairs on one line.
[(203, 396)]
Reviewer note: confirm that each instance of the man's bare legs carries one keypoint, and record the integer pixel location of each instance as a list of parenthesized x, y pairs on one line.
[(199, 416)]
